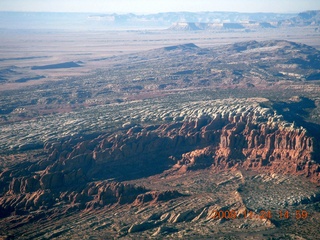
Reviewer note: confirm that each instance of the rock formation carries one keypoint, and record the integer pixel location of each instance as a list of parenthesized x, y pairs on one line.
[(253, 139)]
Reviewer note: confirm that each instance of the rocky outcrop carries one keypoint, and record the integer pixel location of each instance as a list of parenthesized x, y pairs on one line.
[(156, 196), (91, 195), (250, 138), (145, 225), (112, 193), (242, 141)]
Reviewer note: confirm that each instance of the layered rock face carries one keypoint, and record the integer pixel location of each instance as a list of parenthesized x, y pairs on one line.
[(244, 142), (75, 172), (267, 146)]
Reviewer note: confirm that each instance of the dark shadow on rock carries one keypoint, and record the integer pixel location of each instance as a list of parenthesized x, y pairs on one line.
[(298, 111)]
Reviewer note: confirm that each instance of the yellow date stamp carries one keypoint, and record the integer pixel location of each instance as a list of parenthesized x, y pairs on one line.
[(262, 214)]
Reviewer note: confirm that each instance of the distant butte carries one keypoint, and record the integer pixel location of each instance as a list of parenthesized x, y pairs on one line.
[(56, 66), (187, 46)]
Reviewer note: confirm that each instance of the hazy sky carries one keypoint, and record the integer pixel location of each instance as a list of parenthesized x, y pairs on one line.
[(154, 6)]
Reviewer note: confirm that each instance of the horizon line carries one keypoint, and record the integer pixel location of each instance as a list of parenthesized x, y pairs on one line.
[(152, 13)]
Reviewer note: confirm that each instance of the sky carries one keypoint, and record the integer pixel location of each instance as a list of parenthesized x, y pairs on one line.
[(155, 6)]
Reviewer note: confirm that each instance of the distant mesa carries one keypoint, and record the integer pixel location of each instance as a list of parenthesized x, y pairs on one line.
[(266, 25), (57, 66), (247, 45), (309, 15), (233, 26), (243, 46), (187, 26), (195, 26), (309, 18), (20, 58), (187, 46), (26, 79), (193, 21)]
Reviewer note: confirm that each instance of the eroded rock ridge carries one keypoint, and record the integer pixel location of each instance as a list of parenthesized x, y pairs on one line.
[(85, 173)]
